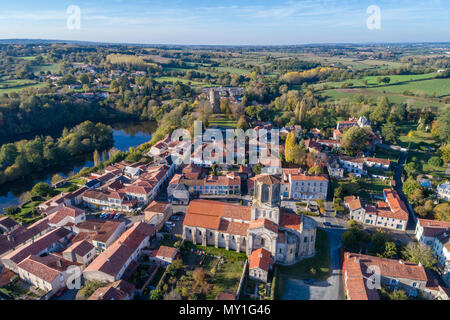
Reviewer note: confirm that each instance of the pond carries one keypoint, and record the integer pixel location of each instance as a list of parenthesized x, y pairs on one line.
[(126, 134)]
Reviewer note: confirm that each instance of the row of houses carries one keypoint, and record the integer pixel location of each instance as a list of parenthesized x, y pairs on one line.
[(390, 213), (364, 275)]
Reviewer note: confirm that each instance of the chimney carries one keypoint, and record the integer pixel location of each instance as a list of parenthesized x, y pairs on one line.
[(95, 228), (400, 261), (260, 255), (59, 263)]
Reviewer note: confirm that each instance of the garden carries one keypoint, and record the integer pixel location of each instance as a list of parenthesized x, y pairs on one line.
[(202, 273)]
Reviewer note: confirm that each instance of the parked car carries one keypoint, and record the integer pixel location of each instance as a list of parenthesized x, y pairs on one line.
[(111, 216), (117, 216), (170, 224), (327, 224), (61, 291), (104, 215), (175, 218)]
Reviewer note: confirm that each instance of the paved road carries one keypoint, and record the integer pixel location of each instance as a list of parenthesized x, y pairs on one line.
[(399, 188), (330, 289)]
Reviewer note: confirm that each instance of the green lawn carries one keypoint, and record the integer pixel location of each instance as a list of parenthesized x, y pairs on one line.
[(185, 81), (234, 70), (53, 68), (217, 120)]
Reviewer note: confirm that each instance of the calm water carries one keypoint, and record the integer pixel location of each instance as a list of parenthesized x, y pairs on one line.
[(126, 135)]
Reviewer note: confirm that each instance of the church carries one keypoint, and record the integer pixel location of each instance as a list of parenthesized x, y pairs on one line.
[(278, 236)]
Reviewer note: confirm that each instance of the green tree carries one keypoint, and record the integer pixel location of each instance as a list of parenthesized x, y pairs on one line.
[(315, 170), (355, 139), (444, 124), (56, 178), (389, 132), (41, 189), (420, 253), (390, 250), (380, 113)]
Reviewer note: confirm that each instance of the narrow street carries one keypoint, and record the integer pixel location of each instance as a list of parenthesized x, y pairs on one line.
[(399, 188)]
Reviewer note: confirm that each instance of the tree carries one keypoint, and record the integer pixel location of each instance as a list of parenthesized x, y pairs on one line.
[(315, 170), (420, 253), (435, 161), (444, 124), (41, 189), (386, 80), (355, 139), (389, 132), (96, 157), (444, 151), (289, 147), (411, 167), (155, 294), (56, 178), (390, 250), (199, 276), (442, 212), (398, 295), (242, 123), (417, 196), (410, 185), (380, 113)]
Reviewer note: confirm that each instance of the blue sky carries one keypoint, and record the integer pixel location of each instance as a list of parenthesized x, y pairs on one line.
[(228, 22)]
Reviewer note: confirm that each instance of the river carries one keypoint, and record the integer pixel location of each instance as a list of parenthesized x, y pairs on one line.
[(126, 134)]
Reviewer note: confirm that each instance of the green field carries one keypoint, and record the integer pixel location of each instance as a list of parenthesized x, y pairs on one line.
[(7, 86), (218, 120), (234, 70), (185, 81), (53, 68), (375, 93), (440, 87)]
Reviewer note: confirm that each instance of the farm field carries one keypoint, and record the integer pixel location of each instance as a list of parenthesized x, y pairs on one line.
[(185, 81), (52, 68), (416, 102)]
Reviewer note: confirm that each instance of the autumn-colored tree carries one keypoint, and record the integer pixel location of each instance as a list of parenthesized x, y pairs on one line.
[(289, 147), (96, 158)]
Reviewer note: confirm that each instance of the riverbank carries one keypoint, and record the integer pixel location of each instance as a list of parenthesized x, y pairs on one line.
[(126, 134)]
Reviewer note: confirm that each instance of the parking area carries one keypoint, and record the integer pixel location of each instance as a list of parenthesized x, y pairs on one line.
[(177, 228)]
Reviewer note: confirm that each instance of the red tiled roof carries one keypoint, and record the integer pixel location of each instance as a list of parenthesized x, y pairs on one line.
[(261, 259), (235, 228), (166, 252), (115, 256), (354, 204), (432, 228), (118, 290), (46, 268), (65, 211), (38, 245), (80, 248), (264, 223), (397, 206), (219, 209), (303, 177), (290, 220), (157, 206)]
